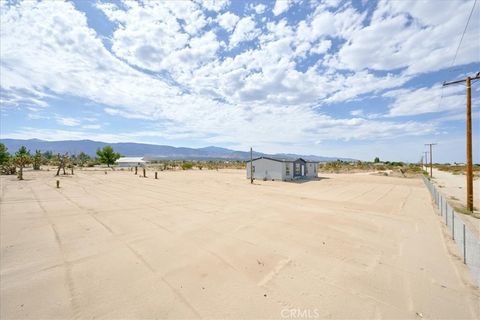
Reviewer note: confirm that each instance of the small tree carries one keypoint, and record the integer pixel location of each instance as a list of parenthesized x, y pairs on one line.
[(82, 159), (376, 160), (107, 155), (7, 165), (22, 159), (4, 155), (37, 160)]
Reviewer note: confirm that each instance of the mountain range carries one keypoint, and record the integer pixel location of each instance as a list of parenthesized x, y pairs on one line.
[(149, 151)]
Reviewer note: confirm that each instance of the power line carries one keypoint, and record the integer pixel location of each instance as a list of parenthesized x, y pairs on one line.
[(463, 34)]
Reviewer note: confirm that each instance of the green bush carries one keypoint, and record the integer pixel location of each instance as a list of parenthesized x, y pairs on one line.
[(187, 166)]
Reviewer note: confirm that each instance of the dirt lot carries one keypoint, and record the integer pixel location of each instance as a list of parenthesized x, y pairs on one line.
[(207, 244), (455, 189)]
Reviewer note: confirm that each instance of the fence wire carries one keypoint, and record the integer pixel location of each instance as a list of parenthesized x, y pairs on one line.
[(467, 242)]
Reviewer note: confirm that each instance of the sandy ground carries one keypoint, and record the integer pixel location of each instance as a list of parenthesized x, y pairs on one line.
[(207, 244), (455, 189)]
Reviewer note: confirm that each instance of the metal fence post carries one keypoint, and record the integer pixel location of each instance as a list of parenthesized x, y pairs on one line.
[(441, 204), (446, 213), (453, 224)]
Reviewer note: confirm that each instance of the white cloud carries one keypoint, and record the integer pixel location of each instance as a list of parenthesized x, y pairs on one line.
[(36, 116), (244, 31), (260, 8), (281, 6), (214, 5), (228, 20), (91, 126), (321, 47), (66, 121), (408, 102), (259, 95), (392, 38)]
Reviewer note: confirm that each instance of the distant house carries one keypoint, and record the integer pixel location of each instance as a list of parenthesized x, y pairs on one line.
[(131, 162), (265, 168)]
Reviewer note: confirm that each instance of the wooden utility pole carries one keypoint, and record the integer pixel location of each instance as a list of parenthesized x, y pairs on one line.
[(426, 162), (468, 81), (431, 165), (251, 165)]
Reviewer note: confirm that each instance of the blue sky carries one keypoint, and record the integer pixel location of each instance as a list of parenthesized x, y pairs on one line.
[(335, 78)]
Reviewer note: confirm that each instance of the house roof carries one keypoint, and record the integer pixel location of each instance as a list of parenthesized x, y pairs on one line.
[(282, 160), (130, 159)]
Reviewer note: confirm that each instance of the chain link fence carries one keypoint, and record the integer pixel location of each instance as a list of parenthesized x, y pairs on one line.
[(468, 243)]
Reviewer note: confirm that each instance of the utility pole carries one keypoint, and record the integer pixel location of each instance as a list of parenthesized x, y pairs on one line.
[(426, 162), (468, 82), (430, 144), (251, 165)]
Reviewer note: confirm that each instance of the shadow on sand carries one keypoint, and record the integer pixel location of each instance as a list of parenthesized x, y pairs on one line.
[(299, 181)]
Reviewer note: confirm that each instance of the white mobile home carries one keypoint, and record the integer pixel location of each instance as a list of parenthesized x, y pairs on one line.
[(126, 162), (265, 168)]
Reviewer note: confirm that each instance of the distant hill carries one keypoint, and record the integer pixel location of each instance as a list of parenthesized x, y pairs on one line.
[(150, 151)]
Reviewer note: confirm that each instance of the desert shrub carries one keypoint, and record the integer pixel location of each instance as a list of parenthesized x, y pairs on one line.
[(37, 160), (187, 166), (8, 167)]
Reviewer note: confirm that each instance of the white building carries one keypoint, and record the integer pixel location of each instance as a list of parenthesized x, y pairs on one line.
[(265, 168), (131, 162)]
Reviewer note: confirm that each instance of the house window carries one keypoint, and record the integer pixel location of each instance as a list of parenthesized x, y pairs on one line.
[(297, 169), (287, 169)]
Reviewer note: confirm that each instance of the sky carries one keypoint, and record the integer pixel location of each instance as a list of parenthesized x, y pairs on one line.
[(337, 78)]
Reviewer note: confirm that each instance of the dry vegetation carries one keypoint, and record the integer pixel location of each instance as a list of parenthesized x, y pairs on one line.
[(399, 169), (458, 169), (195, 165)]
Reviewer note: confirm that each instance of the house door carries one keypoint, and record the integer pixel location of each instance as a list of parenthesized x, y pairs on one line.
[(303, 170)]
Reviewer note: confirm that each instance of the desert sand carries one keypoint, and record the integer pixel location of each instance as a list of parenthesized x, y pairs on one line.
[(207, 244)]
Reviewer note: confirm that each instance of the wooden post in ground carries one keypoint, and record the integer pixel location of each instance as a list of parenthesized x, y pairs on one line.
[(251, 165), (156, 175), (144, 173), (58, 184), (136, 169)]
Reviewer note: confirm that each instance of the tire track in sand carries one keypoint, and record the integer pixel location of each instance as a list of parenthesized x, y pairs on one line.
[(74, 294), (137, 254)]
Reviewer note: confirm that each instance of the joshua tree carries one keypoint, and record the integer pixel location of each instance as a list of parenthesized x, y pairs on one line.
[(37, 160), (107, 155), (62, 162), (22, 158)]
